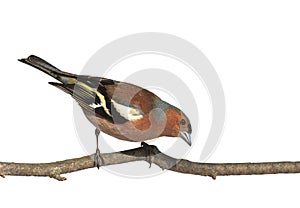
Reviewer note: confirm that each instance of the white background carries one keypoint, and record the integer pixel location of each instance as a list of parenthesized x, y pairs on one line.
[(254, 47)]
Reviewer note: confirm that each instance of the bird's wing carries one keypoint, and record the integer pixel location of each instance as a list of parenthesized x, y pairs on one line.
[(91, 93)]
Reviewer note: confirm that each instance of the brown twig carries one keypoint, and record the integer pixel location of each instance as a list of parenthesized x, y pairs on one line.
[(55, 169)]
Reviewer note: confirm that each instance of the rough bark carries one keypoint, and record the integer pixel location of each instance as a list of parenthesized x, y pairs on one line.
[(150, 154)]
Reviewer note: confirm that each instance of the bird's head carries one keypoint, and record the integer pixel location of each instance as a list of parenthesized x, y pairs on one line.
[(177, 124)]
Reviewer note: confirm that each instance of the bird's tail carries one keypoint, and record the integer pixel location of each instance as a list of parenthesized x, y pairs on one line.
[(44, 66)]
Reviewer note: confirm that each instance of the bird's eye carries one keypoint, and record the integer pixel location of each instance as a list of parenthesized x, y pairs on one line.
[(182, 122)]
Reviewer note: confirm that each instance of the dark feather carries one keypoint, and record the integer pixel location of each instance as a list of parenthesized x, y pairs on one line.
[(85, 98), (105, 81)]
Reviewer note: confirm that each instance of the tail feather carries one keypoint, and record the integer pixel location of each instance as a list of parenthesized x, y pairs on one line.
[(44, 66)]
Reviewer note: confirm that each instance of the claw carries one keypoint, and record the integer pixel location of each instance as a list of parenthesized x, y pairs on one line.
[(147, 152), (98, 160)]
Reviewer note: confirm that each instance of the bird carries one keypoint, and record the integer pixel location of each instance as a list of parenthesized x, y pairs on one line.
[(120, 109)]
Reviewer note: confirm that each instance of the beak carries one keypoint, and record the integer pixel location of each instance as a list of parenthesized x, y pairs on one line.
[(186, 137)]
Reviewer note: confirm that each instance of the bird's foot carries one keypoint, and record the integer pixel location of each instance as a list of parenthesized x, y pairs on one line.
[(148, 151), (98, 160)]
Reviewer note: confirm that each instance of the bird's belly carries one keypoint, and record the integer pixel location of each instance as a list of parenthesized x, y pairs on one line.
[(127, 131)]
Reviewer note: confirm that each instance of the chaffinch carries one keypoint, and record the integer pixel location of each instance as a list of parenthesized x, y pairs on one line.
[(122, 110)]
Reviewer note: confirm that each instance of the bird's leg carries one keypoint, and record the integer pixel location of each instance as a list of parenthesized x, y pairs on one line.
[(98, 160), (147, 152)]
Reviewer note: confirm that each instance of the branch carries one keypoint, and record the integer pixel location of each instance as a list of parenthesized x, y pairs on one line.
[(150, 154)]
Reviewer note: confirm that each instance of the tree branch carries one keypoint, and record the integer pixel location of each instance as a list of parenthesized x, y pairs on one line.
[(151, 154)]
